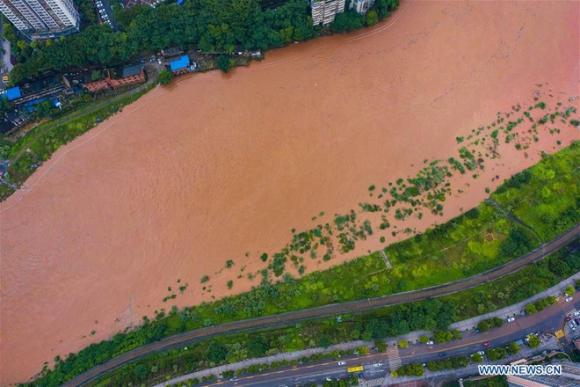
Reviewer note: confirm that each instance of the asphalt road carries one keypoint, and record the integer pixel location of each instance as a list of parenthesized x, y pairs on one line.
[(358, 306), (376, 364)]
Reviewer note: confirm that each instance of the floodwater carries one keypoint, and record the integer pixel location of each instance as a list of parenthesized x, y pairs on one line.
[(219, 166)]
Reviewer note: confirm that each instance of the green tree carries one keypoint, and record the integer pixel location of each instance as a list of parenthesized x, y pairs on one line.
[(372, 18), (513, 348), (216, 352), (165, 77), (381, 345), (533, 341), (224, 63)]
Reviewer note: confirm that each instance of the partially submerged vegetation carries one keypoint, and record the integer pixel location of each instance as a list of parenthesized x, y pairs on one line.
[(434, 315), (369, 276)]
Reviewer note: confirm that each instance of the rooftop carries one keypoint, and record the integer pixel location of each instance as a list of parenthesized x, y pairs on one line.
[(179, 64)]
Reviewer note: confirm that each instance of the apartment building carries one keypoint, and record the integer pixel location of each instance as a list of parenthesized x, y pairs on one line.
[(38, 19), (324, 11)]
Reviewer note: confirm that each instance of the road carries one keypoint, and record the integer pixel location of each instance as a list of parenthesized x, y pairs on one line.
[(358, 306), (547, 321)]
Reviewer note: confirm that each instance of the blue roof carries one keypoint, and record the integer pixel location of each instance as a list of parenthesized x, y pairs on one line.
[(180, 63), (13, 93), (180, 2)]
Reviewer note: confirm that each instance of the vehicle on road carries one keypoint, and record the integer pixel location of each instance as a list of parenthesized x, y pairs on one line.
[(576, 313), (568, 298), (487, 344), (378, 365), (572, 325), (430, 342), (511, 319), (341, 363), (353, 369)]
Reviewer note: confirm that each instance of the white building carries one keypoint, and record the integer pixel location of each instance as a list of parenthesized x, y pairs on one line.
[(361, 6), (39, 19), (324, 11)]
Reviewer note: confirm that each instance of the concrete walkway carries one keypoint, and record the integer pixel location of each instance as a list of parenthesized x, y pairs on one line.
[(392, 341)]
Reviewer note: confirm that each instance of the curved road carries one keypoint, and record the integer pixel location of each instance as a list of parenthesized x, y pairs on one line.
[(358, 306)]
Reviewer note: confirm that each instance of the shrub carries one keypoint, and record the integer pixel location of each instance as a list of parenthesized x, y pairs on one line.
[(165, 77)]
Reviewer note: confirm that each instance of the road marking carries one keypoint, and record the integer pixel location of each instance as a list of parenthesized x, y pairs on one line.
[(393, 358)]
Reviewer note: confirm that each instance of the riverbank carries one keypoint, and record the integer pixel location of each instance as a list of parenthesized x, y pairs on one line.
[(433, 315), (217, 166)]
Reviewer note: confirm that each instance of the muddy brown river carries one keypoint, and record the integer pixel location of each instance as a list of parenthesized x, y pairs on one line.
[(219, 166)]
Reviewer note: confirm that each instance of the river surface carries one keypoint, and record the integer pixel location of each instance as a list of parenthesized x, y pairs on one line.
[(221, 167)]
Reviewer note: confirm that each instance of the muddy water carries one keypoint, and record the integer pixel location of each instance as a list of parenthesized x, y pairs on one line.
[(219, 166)]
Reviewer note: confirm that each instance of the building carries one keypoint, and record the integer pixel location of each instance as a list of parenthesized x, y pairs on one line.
[(324, 11), (13, 93), (180, 65), (361, 6), (41, 19), (130, 75)]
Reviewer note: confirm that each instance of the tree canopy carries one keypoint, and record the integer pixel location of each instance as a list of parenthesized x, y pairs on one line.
[(212, 26)]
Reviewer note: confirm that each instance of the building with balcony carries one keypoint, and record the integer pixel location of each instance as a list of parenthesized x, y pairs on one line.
[(324, 11), (41, 19)]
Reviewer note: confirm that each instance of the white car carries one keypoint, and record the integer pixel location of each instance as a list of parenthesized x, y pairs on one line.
[(481, 353), (341, 363), (430, 342), (511, 319), (572, 325), (577, 313), (378, 365), (568, 298)]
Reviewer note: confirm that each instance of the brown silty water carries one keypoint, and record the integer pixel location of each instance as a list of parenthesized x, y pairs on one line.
[(217, 166)]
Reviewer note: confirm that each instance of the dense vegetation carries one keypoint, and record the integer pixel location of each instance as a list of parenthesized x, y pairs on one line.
[(212, 26), (433, 315), (547, 196)]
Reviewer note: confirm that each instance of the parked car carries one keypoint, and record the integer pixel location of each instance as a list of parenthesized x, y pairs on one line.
[(568, 298), (577, 321), (511, 319), (430, 342), (572, 325)]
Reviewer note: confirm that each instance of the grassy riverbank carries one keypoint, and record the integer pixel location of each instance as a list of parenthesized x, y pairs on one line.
[(434, 315), (28, 152), (478, 240)]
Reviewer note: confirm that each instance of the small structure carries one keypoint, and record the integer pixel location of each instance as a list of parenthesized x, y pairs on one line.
[(361, 6), (132, 3), (130, 75), (13, 93), (180, 65), (171, 52)]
